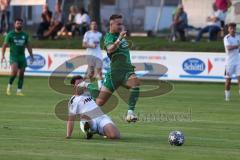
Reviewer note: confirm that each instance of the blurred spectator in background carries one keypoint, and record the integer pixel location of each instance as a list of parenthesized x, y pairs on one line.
[(4, 16), (56, 23), (213, 27), (69, 26), (46, 21), (91, 41), (180, 23), (222, 6), (82, 21)]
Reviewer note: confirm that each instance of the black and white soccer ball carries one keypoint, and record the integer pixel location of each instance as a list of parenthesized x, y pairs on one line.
[(176, 138)]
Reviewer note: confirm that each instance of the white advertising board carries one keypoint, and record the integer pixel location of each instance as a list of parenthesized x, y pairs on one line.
[(181, 66)]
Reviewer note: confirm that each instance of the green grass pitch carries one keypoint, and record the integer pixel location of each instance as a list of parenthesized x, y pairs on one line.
[(29, 129)]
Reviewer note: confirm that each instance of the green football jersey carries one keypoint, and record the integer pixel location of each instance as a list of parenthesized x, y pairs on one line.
[(120, 58), (17, 43)]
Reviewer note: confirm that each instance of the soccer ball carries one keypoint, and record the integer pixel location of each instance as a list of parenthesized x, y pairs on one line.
[(176, 138)]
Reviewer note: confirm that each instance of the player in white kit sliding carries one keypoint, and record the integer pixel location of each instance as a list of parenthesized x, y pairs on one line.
[(232, 47), (91, 41), (92, 119)]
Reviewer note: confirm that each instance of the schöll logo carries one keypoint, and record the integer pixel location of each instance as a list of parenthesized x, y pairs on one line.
[(38, 63), (193, 66)]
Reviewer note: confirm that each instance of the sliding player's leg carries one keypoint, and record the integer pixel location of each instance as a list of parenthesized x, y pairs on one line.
[(86, 129), (107, 128), (111, 131), (102, 125)]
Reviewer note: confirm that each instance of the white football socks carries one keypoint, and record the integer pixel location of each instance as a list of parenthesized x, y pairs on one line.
[(9, 87), (227, 95), (19, 90), (130, 112)]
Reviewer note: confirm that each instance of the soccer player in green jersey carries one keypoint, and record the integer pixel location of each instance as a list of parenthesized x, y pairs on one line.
[(17, 40), (121, 70)]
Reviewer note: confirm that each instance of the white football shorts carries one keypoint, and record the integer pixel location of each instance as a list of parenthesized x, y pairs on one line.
[(231, 70)]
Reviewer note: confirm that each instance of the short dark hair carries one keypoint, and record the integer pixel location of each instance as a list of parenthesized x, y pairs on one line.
[(74, 78), (232, 25), (115, 16), (18, 19)]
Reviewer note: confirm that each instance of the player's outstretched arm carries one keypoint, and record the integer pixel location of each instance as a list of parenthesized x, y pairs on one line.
[(70, 125)]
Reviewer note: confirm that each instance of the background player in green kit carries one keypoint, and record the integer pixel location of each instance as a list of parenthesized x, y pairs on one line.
[(17, 40), (122, 71)]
